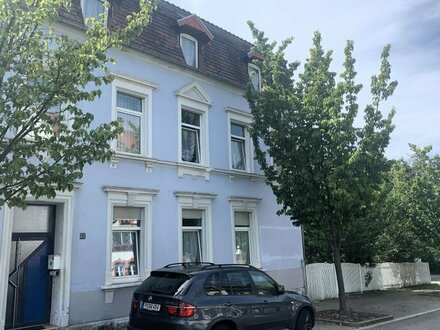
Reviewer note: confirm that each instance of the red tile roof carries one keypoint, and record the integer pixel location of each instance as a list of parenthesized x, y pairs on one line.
[(224, 57)]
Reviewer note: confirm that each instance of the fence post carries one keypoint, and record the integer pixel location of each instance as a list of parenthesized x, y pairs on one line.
[(360, 278)]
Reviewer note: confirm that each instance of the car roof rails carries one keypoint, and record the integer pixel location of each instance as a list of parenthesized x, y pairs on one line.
[(189, 264), (228, 265)]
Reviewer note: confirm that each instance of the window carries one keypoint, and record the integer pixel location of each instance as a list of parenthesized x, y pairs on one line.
[(191, 136), (129, 114), (246, 247), (254, 76), (263, 283), (195, 235), (240, 146), (189, 47), (125, 245), (129, 238), (132, 110), (192, 235), (242, 229), (237, 282), (92, 8)]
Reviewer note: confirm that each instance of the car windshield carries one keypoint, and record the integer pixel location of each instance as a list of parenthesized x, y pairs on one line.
[(166, 283)]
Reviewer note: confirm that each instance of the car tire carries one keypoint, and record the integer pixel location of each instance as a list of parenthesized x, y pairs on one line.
[(221, 326), (304, 320)]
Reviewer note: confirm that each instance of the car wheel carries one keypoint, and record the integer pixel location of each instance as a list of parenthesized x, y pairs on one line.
[(221, 327), (304, 320)]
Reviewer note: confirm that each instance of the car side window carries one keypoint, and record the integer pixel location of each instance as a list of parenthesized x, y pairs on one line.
[(237, 283), (263, 283), (213, 285)]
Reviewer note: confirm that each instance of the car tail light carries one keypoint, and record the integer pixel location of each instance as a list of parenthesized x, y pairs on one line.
[(183, 310), (134, 304)]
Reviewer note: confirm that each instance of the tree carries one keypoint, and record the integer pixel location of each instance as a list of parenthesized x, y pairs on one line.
[(45, 138), (325, 172), (411, 209)]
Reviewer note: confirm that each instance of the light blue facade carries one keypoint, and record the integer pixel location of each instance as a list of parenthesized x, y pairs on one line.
[(92, 296)]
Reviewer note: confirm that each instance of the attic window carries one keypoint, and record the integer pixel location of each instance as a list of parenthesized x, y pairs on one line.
[(190, 48), (92, 8), (254, 76)]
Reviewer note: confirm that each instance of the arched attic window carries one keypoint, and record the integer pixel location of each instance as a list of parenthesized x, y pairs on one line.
[(192, 32)]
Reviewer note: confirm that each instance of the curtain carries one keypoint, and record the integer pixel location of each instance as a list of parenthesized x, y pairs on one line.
[(191, 246), (237, 155), (190, 145), (189, 51), (242, 255)]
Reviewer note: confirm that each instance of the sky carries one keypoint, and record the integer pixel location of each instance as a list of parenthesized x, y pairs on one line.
[(412, 27)]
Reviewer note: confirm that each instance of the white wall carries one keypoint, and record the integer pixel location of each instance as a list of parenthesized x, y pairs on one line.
[(322, 284)]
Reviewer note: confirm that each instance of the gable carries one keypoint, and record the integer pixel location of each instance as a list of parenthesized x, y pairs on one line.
[(194, 92)]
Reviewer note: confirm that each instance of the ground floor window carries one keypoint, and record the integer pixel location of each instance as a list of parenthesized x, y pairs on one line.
[(192, 235), (242, 229), (125, 241)]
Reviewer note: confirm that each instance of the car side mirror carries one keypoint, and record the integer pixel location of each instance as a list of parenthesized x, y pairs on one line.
[(281, 289)]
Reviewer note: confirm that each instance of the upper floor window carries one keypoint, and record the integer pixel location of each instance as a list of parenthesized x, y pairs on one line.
[(129, 112), (240, 145), (189, 47), (132, 110), (191, 136), (92, 8), (254, 76)]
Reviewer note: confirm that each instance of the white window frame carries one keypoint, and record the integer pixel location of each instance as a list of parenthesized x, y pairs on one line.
[(196, 48), (137, 198), (202, 110), (202, 202), (141, 89), (252, 67), (249, 205), (244, 119)]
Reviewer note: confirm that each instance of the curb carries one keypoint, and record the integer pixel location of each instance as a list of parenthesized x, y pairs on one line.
[(382, 320), (403, 318)]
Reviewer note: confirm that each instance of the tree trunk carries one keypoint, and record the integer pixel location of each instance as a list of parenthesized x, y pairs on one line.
[(340, 280), (337, 260)]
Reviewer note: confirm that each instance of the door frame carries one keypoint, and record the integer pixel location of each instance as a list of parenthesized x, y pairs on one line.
[(59, 314)]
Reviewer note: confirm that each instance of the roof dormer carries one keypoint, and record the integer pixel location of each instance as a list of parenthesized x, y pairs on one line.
[(194, 26)]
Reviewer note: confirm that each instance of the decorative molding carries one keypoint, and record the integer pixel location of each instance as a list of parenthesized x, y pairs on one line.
[(194, 92)]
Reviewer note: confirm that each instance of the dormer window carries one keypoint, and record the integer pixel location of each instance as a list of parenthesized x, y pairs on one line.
[(92, 8), (254, 76), (190, 48)]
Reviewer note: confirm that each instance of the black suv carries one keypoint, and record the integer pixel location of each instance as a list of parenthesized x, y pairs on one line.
[(197, 296)]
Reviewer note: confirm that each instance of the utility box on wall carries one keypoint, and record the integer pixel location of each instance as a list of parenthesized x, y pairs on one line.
[(54, 262)]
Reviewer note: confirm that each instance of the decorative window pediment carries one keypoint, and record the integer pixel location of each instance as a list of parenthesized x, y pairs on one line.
[(193, 25), (194, 92)]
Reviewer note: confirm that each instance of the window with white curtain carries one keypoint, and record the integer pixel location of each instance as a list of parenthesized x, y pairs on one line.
[(254, 76), (189, 46), (241, 153), (92, 8), (192, 235), (191, 127), (242, 237), (238, 146)]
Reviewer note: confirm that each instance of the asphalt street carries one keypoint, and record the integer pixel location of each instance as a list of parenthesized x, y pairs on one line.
[(429, 321)]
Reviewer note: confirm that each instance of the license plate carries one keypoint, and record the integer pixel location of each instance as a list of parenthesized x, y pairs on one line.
[(151, 307)]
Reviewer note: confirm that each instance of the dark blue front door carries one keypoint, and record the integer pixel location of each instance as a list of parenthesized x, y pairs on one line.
[(29, 284)]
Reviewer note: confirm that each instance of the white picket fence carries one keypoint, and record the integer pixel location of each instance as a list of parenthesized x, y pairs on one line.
[(322, 284)]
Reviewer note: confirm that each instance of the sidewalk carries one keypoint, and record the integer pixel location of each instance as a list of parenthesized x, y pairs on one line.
[(399, 303)]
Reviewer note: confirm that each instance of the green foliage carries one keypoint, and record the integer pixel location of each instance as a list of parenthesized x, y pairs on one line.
[(325, 171), (411, 209), (42, 152)]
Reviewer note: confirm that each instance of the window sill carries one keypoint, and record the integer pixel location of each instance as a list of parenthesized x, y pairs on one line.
[(115, 286)]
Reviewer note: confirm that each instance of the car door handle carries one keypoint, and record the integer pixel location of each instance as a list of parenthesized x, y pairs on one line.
[(228, 303), (264, 301)]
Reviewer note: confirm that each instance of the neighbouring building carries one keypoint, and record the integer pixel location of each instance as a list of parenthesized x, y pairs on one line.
[(183, 184)]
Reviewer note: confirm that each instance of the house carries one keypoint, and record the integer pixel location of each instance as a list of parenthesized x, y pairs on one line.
[(183, 184)]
